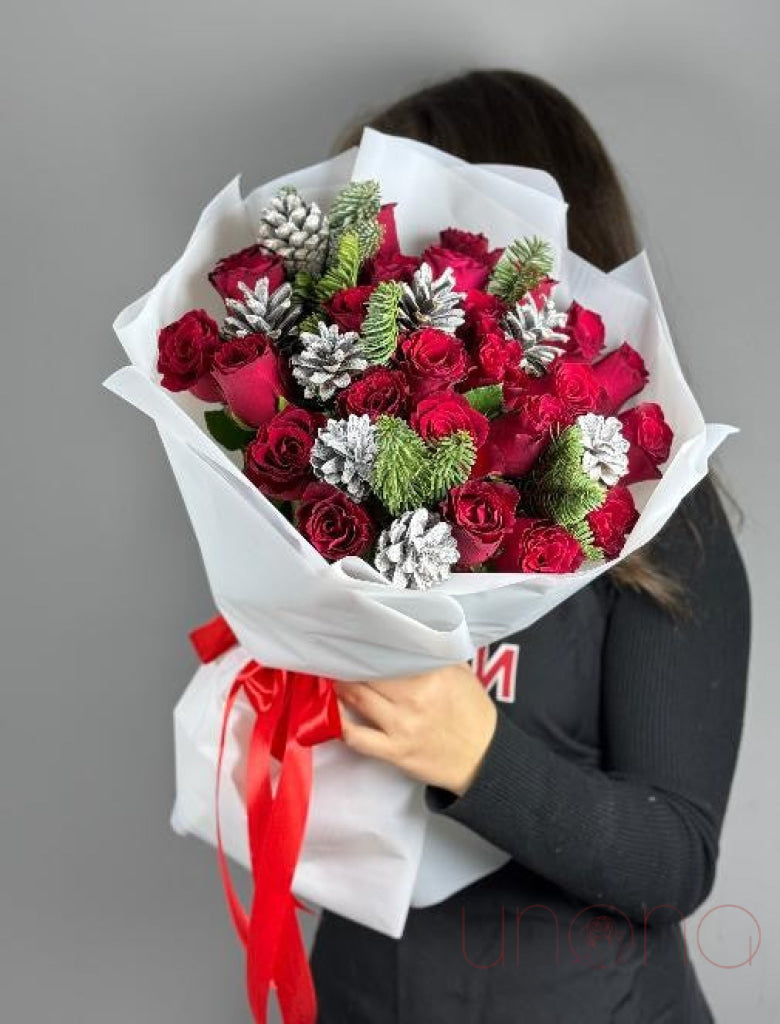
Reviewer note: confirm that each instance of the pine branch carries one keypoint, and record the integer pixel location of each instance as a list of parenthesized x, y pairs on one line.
[(398, 479), (584, 535), (522, 266), (343, 269), (450, 464), (379, 335), (357, 201), (558, 488)]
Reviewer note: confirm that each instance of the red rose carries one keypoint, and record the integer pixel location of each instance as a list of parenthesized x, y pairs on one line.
[(334, 524), (644, 425), (542, 292), (470, 244), (247, 267), (585, 331), (433, 360), (393, 267), (348, 307), (540, 413), (445, 412), (468, 271), (247, 371), (277, 461), (495, 356), (185, 350), (389, 245), (578, 387), (482, 313), (480, 513), (380, 392), (621, 373), (537, 545), (612, 521), (509, 449)]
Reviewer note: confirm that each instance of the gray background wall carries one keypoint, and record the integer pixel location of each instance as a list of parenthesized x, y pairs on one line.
[(120, 120)]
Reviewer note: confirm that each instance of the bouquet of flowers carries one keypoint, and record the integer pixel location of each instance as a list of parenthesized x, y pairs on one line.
[(406, 421), (430, 412)]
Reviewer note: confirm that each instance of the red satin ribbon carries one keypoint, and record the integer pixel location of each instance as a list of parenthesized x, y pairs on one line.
[(293, 711)]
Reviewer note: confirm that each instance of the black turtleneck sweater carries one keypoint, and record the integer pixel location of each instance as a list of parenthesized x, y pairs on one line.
[(606, 780)]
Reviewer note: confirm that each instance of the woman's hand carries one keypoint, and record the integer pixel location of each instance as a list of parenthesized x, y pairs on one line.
[(435, 726)]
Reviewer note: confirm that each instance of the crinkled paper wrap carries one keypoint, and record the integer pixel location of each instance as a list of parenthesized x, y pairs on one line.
[(290, 608)]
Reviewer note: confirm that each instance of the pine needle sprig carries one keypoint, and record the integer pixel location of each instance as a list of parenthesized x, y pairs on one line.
[(379, 334), (558, 488), (343, 269), (522, 266), (398, 478), (450, 463)]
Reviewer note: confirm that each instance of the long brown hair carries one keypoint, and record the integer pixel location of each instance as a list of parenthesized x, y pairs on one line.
[(501, 116)]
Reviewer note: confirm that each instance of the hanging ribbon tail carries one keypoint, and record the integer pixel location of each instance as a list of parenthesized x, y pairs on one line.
[(293, 712)]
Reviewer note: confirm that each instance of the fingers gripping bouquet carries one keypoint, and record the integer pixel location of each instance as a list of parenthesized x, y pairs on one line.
[(406, 421), (433, 412)]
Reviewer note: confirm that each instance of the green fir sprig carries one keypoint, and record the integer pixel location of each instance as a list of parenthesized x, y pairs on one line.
[(558, 487), (342, 271), (522, 266), (379, 333)]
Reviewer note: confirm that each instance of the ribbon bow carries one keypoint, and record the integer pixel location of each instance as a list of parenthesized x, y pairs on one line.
[(293, 711)]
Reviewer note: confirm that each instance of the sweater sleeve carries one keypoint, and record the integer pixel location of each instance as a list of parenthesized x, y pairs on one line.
[(642, 831)]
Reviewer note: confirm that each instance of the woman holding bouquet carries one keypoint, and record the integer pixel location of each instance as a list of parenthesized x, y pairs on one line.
[(597, 748)]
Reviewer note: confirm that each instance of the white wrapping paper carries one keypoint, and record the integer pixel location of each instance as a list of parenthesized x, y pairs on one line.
[(371, 849)]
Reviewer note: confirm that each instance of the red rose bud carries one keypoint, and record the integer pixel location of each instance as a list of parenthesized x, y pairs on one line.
[(247, 371), (247, 267), (644, 426), (394, 267), (207, 389), (334, 524), (277, 461), (509, 450), (540, 413), (379, 392), (480, 513), (537, 545), (446, 412), (470, 244), (481, 308), (578, 387), (621, 373), (389, 245), (469, 272), (185, 350), (348, 307), (613, 520), (433, 360), (585, 331)]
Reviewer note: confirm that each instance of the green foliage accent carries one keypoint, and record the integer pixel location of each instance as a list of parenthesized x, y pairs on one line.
[(558, 488), (303, 287), (399, 476), (227, 430), (355, 208), (584, 535), (488, 400), (359, 200), (343, 269), (450, 463), (379, 335), (522, 266), (311, 323)]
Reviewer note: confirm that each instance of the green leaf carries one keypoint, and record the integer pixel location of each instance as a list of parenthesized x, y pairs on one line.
[(343, 270), (228, 431), (558, 487), (379, 334), (399, 476), (488, 400), (522, 266), (450, 463)]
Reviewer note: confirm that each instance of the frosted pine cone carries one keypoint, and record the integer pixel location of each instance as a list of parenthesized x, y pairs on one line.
[(327, 361), (536, 328), (417, 550), (430, 303), (274, 315), (605, 455), (295, 230), (343, 455)]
